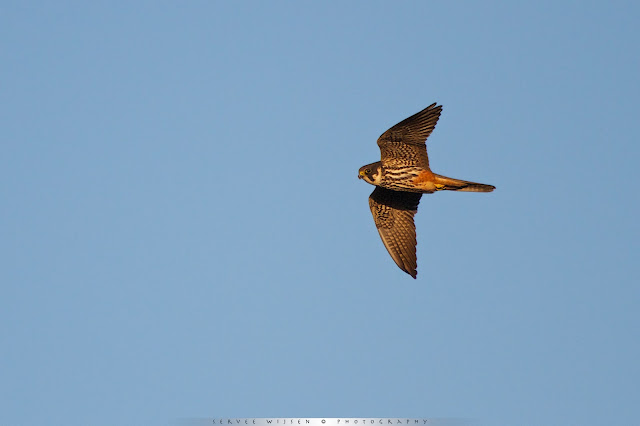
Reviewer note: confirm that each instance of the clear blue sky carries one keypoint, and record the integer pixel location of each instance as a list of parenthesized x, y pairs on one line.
[(183, 233)]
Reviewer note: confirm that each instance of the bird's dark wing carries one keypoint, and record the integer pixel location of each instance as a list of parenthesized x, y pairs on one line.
[(404, 144), (393, 213)]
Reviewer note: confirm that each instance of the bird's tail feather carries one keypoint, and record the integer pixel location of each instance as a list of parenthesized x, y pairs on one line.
[(462, 185)]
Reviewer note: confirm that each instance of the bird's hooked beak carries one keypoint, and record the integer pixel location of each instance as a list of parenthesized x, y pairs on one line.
[(360, 174)]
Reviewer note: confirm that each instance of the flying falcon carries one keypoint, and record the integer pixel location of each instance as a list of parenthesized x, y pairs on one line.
[(400, 178)]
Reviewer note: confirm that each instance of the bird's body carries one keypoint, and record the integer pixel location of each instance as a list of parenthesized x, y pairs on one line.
[(401, 177), (415, 179)]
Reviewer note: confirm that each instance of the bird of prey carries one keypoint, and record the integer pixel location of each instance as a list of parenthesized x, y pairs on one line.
[(401, 177)]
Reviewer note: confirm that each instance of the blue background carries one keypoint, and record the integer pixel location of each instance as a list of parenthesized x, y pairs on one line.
[(183, 233)]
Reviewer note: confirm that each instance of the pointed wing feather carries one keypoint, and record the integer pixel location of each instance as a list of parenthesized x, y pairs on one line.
[(404, 144), (393, 213)]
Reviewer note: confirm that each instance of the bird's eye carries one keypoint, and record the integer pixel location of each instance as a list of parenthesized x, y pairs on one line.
[(367, 171)]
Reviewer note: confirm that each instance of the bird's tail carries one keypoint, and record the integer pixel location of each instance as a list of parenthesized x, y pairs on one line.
[(462, 185)]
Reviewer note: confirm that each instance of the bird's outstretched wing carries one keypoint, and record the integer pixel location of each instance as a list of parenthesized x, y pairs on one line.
[(404, 144), (393, 213)]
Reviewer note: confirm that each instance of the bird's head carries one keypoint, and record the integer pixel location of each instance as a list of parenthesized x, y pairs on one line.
[(371, 173)]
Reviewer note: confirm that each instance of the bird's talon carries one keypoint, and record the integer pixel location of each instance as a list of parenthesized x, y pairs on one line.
[(439, 186)]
